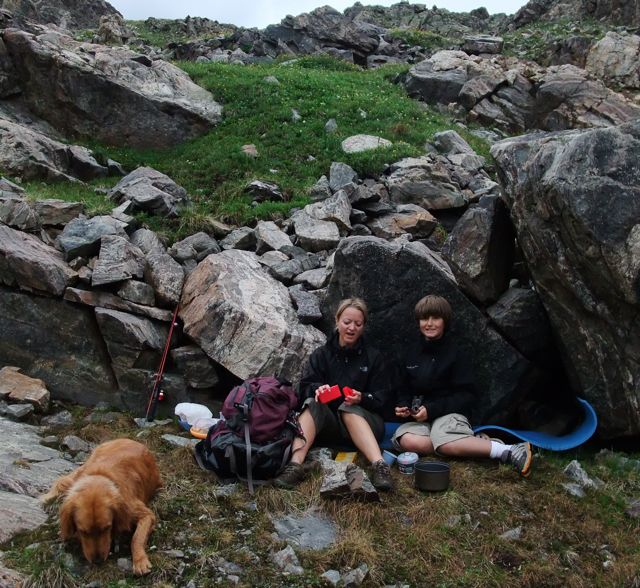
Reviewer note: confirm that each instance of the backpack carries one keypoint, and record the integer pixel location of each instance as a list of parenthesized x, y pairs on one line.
[(254, 441)]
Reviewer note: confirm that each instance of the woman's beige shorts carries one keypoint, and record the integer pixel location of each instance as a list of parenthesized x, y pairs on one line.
[(442, 430)]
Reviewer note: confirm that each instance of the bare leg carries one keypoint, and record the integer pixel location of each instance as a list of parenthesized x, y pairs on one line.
[(420, 444), (362, 436), (300, 447), (467, 447), (146, 521)]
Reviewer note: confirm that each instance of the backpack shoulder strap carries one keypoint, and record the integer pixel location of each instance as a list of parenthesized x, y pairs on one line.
[(247, 442)]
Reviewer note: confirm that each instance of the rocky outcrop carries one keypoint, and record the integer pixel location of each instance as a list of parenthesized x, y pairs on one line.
[(67, 14), (575, 204), (615, 60), (518, 97), (616, 12), (110, 94), (323, 27)]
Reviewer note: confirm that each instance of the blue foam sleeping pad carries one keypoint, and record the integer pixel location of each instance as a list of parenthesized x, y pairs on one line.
[(577, 437)]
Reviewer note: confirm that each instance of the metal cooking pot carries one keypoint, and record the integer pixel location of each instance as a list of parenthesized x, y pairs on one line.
[(432, 476)]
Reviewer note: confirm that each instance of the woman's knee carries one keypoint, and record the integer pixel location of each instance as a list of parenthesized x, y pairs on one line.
[(416, 443)]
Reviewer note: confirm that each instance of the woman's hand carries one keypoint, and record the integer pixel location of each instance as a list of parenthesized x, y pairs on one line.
[(403, 412), (421, 415), (320, 390), (354, 398)]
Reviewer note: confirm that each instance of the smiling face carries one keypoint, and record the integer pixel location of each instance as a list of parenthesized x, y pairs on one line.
[(350, 326), (432, 327)]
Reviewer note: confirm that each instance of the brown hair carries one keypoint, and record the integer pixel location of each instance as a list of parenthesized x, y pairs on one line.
[(434, 306), (356, 303)]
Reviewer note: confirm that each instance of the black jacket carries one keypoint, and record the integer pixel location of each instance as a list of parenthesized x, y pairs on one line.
[(361, 368), (441, 374)]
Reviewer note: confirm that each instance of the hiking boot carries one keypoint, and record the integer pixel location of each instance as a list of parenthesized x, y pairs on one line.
[(520, 457), (381, 476), (291, 476)]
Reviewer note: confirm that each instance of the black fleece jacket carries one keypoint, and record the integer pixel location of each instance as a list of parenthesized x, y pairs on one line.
[(361, 367), (441, 374)]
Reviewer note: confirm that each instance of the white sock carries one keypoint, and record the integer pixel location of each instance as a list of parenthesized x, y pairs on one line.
[(498, 449)]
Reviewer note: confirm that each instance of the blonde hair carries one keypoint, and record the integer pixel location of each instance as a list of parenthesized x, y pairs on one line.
[(356, 303), (434, 306)]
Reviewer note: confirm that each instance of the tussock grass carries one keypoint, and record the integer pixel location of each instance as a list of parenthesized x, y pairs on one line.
[(441, 539)]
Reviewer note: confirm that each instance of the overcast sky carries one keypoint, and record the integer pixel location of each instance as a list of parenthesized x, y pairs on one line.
[(260, 13)]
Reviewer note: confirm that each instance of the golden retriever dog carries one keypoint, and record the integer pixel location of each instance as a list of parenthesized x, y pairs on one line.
[(109, 495)]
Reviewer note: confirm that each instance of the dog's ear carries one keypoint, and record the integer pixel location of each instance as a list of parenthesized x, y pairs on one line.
[(67, 521), (121, 517)]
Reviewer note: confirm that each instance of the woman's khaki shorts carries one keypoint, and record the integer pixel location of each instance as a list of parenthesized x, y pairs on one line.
[(442, 430), (329, 426)]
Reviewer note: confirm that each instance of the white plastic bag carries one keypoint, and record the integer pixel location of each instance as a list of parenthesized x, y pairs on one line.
[(189, 412)]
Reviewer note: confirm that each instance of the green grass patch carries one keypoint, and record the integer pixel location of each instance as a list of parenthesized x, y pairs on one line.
[(90, 194), (294, 155)]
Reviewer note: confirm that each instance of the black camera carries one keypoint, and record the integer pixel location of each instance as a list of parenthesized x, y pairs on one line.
[(416, 403)]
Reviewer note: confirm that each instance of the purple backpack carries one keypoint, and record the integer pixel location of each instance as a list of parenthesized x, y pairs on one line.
[(253, 443), (264, 403)]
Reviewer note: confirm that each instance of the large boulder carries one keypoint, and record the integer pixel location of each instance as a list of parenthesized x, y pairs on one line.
[(392, 277), (440, 78), (109, 94), (575, 203), (57, 342), (244, 319)]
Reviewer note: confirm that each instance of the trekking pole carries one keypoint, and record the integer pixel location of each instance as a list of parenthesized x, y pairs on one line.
[(157, 393)]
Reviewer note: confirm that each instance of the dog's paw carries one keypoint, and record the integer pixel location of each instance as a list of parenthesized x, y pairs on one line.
[(141, 566), (48, 497)]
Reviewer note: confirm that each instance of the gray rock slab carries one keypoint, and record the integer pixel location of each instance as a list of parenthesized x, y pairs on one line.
[(113, 302), (118, 260), (359, 143), (341, 174), (27, 262), (81, 237), (313, 234), (150, 190), (26, 153), (53, 212), (310, 530), (19, 513), (27, 467)]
